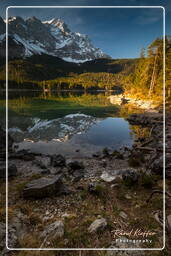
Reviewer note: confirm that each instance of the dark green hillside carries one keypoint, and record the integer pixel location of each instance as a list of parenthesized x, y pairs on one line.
[(45, 67), (141, 78)]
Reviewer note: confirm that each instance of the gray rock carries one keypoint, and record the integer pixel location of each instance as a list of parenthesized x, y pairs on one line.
[(110, 178), (12, 170), (43, 187), (22, 154), (168, 223), (54, 230), (57, 161), (76, 169), (40, 164), (157, 165), (78, 174), (97, 225)]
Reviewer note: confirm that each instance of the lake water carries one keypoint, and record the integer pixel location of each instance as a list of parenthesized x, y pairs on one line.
[(71, 123)]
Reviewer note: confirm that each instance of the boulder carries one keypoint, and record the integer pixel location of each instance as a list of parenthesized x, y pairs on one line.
[(76, 169), (54, 230), (40, 164), (78, 174), (43, 187), (117, 99), (12, 170), (57, 161), (157, 165), (22, 154), (110, 178), (97, 225)]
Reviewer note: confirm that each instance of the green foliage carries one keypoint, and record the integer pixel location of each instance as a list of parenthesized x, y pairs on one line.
[(128, 182), (146, 180), (142, 77), (44, 71), (101, 190), (147, 79)]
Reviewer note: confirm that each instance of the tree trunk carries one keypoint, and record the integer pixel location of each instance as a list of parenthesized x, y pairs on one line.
[(153, 76)]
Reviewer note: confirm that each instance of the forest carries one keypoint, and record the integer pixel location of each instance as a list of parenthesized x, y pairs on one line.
[(142, 77)]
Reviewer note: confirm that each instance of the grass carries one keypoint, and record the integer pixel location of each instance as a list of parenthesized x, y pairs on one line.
[(85, 208), (20, 186), (147, 180), (108, 204)]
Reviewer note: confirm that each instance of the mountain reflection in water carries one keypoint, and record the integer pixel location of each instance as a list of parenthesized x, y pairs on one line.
[(70, 123)]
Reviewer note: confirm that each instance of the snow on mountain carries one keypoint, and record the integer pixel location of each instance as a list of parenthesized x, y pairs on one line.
[(51, 37)]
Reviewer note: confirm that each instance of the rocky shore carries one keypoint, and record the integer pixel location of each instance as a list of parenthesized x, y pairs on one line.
[(74, 203), (149, 105)]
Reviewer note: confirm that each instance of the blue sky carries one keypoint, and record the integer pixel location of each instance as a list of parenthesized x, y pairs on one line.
[(119, 32)]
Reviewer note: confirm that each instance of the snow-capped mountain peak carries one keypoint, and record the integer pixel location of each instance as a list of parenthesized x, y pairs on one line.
[(59, 23), (53, 37)]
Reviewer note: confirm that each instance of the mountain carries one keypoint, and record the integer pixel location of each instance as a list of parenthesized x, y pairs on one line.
[(32, 36)]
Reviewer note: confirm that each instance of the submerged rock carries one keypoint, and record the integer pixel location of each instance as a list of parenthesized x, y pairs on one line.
[(57, 161), (43, 187), (97, 225)]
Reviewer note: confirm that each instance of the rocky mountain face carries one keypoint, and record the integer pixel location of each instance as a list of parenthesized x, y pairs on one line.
[(53, 37)]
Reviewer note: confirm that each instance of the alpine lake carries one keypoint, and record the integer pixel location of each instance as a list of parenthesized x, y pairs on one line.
[(72, 123)]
